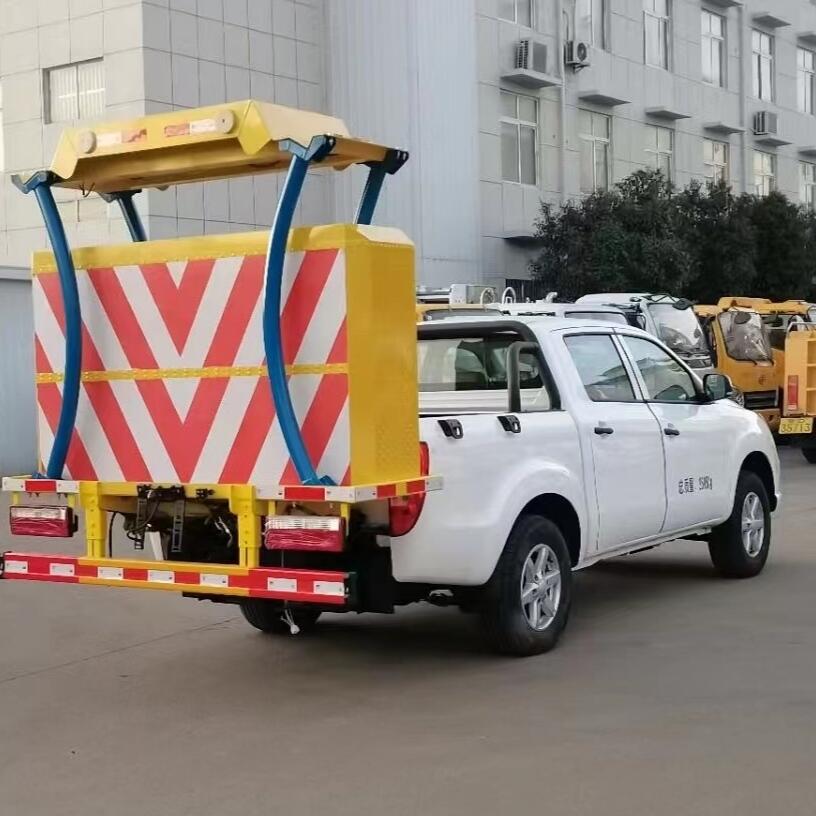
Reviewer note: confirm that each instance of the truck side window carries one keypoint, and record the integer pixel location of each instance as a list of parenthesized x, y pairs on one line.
[(600, 367), (665, 379), (470, 374)]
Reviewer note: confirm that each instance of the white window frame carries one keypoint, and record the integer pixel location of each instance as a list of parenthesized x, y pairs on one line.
[(654, 152), (664, 25), (78, 96), (516, 3), (807, 185), (593, 141), (764, 180), (591, 22), (759, 57), (708, 41), (518, 124), (719, 172), (805, 80)]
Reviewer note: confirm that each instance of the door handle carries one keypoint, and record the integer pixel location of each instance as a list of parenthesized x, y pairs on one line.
[(671, 432), (603, 430)]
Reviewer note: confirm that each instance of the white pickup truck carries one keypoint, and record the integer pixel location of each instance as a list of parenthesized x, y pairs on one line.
[(566, 442)]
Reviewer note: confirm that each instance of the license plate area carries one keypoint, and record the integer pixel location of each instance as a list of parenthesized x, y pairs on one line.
[(796, 425)]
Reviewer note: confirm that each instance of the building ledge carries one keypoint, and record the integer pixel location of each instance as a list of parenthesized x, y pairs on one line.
[(772, 140), (809, 150), (807, 37), (726, 4), (521, 235), (768, 20), (530, 79), (723, 128), (600, 98), (662, 112)]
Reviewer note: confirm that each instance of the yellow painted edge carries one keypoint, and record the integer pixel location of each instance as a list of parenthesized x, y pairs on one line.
[(208, 590), (208, 372), (179, 566), (329, 236)]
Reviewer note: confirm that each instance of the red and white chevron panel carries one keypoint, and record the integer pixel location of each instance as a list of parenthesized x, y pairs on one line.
[(196, 314)]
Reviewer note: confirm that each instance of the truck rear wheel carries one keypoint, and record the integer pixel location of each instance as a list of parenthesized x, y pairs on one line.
[(810, 454), (268, 616), (739, 546), (527, 600)]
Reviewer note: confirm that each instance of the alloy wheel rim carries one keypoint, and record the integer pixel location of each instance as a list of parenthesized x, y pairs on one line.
[(753, 525), (540, 587)]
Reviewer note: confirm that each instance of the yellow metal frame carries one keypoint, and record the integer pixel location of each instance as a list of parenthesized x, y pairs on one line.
[(201, 144)]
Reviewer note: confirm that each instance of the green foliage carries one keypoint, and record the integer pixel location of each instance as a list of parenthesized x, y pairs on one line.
[(701, 242)]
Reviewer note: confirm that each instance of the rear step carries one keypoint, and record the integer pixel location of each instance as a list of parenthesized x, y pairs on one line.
[(295, 585)]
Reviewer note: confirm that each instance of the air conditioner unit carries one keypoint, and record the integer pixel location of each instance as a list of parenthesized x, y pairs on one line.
[(576, 54), (531, 56), (766, 123)]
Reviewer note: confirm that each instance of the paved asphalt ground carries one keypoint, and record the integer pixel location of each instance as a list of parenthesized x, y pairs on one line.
[(673, 692)]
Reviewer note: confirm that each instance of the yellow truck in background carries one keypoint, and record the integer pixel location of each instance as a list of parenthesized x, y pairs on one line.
[(789, 331)]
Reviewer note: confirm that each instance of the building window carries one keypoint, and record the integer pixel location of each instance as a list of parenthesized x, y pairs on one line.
[(591, 22), (656, 25), (659, 149), (517, 11), (75, 91), (807, 184), (764, 173), (713, 47), (594, 136), (805, 73), (519, 134), (762, 59), (715, 159)]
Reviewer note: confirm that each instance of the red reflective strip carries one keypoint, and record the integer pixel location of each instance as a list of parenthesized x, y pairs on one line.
[(39, 567), (86, 571), (41, 364), (40, 486), (193, 578), (417, 486), (134, 574), (77, 462), (386, 491), (252, 433), (304, 493), (178, 305)]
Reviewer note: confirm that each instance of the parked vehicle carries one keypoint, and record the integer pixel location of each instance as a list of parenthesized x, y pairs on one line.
[(263, 419), (741, 349), (669, 318)]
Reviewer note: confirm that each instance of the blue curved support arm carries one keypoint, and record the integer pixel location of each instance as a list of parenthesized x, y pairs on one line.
[(40, 185), (129, 213), (394, 159), (273, 344)]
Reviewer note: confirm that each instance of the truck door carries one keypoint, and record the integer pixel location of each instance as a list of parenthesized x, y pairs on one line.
[(621, 442), (693, 433)]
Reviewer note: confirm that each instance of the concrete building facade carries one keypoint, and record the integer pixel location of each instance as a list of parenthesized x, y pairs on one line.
[(479, 91)]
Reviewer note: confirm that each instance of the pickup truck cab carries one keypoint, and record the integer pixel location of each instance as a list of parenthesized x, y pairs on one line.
[(609, 445)]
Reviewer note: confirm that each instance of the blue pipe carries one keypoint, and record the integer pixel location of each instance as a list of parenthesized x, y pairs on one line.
[(371, 192), (131, 216), (273, 344), (73, 328)]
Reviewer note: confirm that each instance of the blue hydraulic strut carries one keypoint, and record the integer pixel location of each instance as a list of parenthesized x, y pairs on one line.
[(40, 184), (273, 344), (129, 213), (394, 159)]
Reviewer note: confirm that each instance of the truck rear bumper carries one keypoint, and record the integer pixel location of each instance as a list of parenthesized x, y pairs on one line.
[(298, 586)]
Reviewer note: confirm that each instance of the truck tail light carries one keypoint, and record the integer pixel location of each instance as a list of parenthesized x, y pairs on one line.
[(57, 522), (404, 511), (793, 392), (311, 533)]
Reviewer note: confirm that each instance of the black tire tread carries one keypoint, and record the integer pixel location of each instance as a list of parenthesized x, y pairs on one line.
[(265, 616)]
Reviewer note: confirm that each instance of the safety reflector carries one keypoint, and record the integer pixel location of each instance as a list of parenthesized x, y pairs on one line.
[(57, 522), (313, 533), (793, 392)]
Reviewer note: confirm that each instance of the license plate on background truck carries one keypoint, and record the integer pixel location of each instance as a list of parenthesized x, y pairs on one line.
[(803, 425)]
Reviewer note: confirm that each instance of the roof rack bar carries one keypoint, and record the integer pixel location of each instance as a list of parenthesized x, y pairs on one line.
[(129, 213), (318, 149), (40, 184)]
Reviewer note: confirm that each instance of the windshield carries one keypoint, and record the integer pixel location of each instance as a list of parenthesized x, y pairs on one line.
[(679, 329), (746, 341)]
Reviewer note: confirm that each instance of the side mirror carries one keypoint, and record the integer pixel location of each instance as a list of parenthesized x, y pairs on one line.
[(718, 386), (640, 319)]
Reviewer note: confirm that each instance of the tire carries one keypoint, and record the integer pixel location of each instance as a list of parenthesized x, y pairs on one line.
[(267, 616), (810, 454), (522, 630), (734, 555)]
